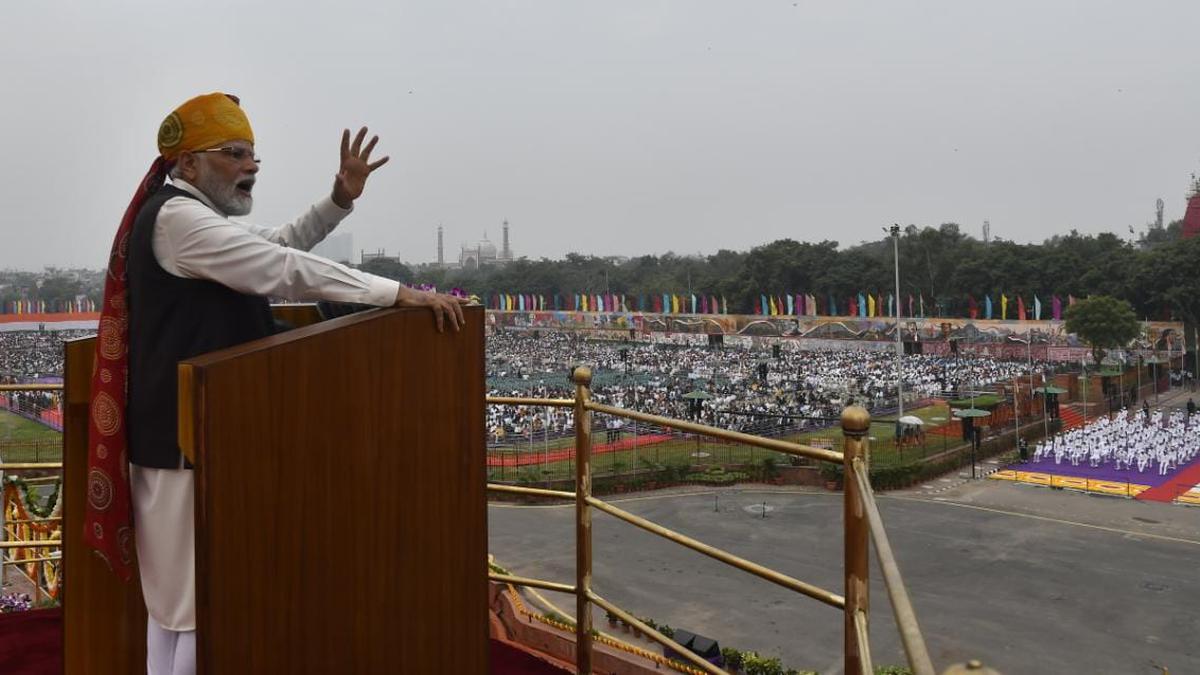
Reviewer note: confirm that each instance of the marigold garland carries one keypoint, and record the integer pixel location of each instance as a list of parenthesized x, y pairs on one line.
[(29, 500), (18, 502)]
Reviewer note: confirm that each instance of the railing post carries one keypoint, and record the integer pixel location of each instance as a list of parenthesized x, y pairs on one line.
[(856, 422), (582, 377)]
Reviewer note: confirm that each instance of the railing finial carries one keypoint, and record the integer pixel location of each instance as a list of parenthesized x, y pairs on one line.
[(855, 421), (582, 375)]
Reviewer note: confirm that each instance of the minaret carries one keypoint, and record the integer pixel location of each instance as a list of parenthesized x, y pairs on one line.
[(506, 252), (441, 258)]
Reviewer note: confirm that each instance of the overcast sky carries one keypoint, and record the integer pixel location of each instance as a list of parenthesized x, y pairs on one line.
[(616, 126)]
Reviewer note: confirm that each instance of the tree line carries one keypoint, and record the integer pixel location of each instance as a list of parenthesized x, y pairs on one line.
[(1155, 274)]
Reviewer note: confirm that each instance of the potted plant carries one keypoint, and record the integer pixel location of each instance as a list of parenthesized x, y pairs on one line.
[(733, 659)]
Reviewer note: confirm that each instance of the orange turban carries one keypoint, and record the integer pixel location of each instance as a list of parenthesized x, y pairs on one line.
[(201, 123)]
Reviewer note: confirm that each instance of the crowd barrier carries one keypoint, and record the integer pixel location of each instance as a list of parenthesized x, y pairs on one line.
[(50, 417)]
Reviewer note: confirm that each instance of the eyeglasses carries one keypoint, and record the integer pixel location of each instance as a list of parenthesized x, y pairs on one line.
[(236, 154)]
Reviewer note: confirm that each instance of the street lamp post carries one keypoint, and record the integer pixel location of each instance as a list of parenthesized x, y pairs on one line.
[(1156, 379)]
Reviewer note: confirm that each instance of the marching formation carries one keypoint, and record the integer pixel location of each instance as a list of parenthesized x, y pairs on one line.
[(1142, 440)]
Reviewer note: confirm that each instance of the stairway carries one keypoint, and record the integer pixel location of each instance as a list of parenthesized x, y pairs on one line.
[(1071, 416)]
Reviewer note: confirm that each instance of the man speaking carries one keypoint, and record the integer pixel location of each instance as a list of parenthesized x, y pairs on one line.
[(185, 279)]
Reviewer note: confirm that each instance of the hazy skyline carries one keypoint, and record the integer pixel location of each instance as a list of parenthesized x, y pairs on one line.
[(617, 128)]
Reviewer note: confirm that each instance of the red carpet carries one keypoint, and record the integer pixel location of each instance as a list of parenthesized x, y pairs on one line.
[(31, 642), (1167, 491), (507, 659)]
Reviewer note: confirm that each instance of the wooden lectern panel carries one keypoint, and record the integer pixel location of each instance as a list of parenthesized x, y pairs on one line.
[(104, 620), (340, 498), (296, 316)]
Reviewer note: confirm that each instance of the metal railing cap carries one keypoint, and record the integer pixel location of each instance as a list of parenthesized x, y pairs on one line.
[(582, 375), (856, 421)]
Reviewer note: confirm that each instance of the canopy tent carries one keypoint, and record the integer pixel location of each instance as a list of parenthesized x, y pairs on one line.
[(971, 412)]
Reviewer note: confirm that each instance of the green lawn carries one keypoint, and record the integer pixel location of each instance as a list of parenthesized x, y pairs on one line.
[(24, 441), (691, 451)]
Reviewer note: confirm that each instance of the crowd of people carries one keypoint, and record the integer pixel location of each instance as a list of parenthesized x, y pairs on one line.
[(1143, 440), (737, 388), (34, 354), (734, 388)]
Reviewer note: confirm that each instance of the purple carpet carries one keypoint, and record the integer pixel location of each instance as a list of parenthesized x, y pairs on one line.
[(1106, 471)]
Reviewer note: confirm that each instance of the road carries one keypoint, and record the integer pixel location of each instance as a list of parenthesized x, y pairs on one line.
[(1027, 579)]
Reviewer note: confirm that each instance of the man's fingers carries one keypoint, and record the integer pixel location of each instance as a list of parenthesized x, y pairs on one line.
[(448, 311), (460, 320), (375, 165), (437, 315), (366, 153), (358, 139), (345, 143)]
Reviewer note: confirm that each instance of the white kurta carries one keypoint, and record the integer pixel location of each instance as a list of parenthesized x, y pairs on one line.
[(193, 240)]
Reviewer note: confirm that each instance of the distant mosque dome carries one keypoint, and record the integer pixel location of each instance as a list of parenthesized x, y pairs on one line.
[(478, 254), (474, 256)]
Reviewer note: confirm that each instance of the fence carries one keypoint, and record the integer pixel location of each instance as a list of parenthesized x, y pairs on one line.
[(861, 520)]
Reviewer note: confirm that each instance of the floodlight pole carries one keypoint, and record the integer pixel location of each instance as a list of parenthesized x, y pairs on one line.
[(1017, 413), (899, 339), (1084, 378), (1156, 380), (1139, 371)]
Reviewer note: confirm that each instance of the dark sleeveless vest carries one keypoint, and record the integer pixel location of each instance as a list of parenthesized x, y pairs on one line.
[(171, 319)]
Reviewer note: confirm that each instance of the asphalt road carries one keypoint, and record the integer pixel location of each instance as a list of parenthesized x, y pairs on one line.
[(1027, 579)]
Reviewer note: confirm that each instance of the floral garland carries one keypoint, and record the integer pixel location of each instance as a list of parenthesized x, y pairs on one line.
[(15, 602), (456, 291), (30, 501)]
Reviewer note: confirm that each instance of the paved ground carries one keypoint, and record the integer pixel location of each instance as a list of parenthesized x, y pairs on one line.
[(1028, 579)]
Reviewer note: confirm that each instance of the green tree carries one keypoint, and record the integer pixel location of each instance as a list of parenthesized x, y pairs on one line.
[(1103, 322), (391, 269), (59, 288)]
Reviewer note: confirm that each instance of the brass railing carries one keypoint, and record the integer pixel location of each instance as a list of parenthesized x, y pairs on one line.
[(862, 516), (862, 520), (30, 387)]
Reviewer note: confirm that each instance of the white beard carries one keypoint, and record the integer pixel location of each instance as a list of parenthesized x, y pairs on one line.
[(224, 195)]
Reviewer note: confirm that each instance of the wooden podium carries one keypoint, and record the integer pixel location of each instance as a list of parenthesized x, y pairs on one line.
[(340, 500)]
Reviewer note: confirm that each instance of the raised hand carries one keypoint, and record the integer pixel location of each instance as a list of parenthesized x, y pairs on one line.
[(355, 167)]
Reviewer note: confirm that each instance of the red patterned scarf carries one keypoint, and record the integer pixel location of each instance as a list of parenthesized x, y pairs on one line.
[(108, 523)]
